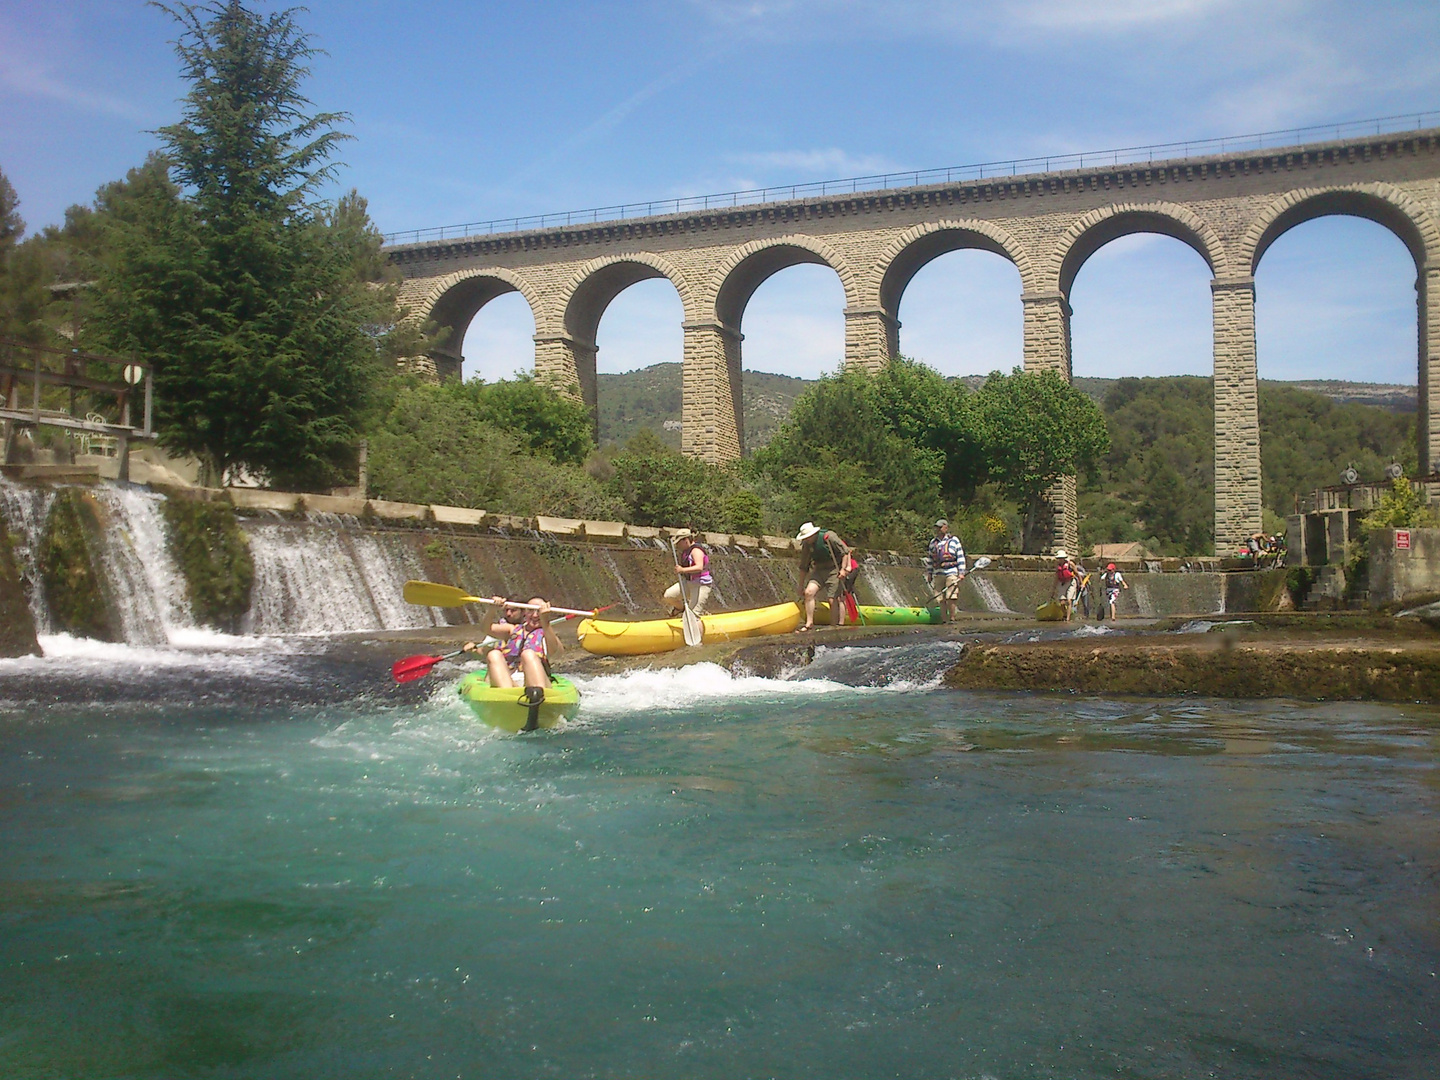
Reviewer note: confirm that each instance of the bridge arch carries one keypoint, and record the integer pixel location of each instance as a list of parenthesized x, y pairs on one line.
[(570, 347), (748, 266), (1381, 203), (908, 253), (1094, 230), (453, 300)]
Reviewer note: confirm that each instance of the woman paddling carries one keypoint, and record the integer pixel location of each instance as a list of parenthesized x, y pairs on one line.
[(525, 655)]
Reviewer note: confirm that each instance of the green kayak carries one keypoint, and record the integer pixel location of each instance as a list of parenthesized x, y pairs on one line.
[(505, 707), (874, 615), (870, 615)]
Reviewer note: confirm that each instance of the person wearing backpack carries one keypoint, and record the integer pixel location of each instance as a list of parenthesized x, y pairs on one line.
[(1112, 581)]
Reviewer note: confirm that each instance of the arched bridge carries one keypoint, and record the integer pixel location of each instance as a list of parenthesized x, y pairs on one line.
[(1229, 207)]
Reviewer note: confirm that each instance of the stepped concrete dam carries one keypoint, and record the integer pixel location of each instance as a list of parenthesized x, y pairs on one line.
[(318, 565)]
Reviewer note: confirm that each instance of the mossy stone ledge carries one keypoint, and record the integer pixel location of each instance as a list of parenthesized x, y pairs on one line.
[(74, 588), (213, 554), (17, 627)]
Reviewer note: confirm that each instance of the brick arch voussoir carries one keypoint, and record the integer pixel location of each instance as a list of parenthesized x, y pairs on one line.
[(421, 301), (667, 269), (834, 259), (1398, 198), (1213, 249), (1014, 251)]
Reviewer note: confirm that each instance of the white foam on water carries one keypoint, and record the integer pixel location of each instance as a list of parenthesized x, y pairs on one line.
[(1093, 631), (88, 654), (698, 686)]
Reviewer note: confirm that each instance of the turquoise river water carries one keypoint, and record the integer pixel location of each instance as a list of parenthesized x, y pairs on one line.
[(258, 862)]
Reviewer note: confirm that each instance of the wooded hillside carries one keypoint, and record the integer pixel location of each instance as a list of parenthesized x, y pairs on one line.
[(1157, 482)]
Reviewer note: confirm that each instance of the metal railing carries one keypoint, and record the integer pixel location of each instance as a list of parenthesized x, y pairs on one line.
[(1128, 155)]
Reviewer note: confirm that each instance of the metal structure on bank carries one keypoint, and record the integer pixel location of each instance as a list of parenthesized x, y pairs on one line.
[(45, 387)]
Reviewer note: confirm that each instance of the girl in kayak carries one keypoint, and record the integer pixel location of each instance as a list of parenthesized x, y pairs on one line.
[(523, 650)]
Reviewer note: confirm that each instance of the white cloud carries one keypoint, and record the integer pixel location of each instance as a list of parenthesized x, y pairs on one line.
[(37, 80), (826, 163), (1108, 15)]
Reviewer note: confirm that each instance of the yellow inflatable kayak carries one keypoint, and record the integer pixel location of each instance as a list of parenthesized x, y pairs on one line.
[(1054, 611), (608, 637)]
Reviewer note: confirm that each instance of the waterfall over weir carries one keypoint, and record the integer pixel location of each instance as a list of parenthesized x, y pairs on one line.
[(25, 510), (324, 574), (149, 590), (324, 580)]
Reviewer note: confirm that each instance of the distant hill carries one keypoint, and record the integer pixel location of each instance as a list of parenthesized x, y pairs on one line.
[(650, 397)]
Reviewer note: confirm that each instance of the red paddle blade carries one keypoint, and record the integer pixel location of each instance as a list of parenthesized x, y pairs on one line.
[(414, 667), (852, 609)]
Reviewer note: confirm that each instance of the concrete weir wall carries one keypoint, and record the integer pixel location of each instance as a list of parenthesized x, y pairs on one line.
[(327, 565)]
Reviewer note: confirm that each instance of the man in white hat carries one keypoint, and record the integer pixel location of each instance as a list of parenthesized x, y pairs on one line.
[(946, 559), (822, 554)]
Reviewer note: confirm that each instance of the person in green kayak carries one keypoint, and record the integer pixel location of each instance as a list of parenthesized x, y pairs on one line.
[(522, 649), (822, 554)]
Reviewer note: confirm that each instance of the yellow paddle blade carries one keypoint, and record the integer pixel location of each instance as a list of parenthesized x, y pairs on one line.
[(432, 594)]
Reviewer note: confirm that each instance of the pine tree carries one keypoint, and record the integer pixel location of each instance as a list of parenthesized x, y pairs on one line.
[(251, 295)]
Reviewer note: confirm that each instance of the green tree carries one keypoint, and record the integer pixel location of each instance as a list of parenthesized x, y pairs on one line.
[(12, 225), (840, 450), (1400, 508), (254, 299), (545, 422), (433, 446), (932, 412), (1036, 428), (660, 486)]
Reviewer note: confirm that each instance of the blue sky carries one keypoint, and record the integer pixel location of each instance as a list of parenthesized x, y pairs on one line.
[(470, 111)]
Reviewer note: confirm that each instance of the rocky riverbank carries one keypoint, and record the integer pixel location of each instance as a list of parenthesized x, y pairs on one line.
[(1314, 658)]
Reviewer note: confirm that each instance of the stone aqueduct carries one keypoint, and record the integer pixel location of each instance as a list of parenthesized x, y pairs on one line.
[(1230, 208)]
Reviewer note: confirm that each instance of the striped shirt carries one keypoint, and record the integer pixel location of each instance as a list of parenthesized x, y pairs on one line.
[(947, 556)]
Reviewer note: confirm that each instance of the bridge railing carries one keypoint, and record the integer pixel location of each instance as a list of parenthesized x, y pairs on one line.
[(1129, 155)]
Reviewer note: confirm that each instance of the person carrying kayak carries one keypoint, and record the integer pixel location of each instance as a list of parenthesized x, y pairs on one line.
[(822, 554), (522, 651), (694, 567), (1112, 581), (945, 558), (1066, 582)]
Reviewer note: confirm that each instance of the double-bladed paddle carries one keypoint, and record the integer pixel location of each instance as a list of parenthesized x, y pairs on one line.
[(433, 594), (979, 564), (417, 667)]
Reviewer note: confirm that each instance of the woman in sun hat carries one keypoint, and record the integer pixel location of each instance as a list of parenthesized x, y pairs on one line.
[(822, 554), (693, 568)]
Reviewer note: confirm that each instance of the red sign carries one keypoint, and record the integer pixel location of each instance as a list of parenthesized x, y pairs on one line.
[(1402, 539)]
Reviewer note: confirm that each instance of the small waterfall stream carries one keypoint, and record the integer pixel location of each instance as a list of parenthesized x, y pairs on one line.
[(149, 590), (325, 580), (989, 594), (25, 510)]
